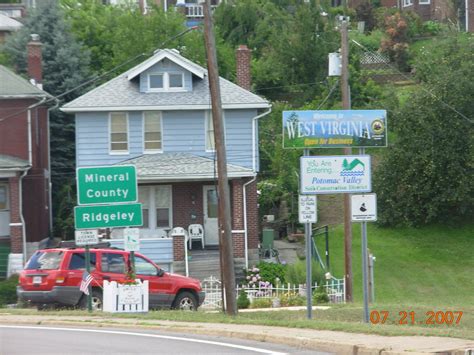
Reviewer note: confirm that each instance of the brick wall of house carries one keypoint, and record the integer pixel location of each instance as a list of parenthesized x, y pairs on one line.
[(13, 131), (252, 216), (187, 201), (16, 232), (238, 244), (178, 248)]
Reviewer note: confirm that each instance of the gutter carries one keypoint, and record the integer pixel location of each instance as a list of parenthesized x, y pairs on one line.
[(244, 187)]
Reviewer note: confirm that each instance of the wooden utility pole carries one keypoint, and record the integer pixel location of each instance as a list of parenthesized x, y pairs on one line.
[(225, 230), (346, 105)]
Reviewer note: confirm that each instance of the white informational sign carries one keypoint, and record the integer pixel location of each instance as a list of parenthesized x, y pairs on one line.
[(335, 174), (307, 208), (364, 208), (131, 239), (86, 237)]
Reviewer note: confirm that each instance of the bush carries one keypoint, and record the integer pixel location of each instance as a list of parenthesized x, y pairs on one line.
[(296, 273), (261, 303), (292, 299), (371, 41), (243, 301), (8, 291), (271, 272), (320, 296)]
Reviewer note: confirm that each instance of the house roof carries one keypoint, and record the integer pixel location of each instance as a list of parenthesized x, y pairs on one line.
[(181, 166), (9, 24), (12, 163), (14, 86), (122, 94)]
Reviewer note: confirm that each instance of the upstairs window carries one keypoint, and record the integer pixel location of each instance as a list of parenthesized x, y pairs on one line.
[(152, 132), (119, 133), (166, 81)]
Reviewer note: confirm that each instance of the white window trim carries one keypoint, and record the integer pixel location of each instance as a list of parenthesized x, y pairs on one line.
[(166, 82), (152, 151), (152, 207), (424, 2), (7, 200), (407, 3), (207, 114), (119, 152)]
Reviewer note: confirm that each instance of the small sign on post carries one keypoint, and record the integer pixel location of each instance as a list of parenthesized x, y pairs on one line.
[(307, 209), (131, 239), (86, 237), (364, 208)]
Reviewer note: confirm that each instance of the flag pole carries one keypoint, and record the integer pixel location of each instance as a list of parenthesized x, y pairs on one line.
[(89, 287)]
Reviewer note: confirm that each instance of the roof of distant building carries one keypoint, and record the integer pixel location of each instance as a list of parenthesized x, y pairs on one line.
[(9, 24), (14, 86)]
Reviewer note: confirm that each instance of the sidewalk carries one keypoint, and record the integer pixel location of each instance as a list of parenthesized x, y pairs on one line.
[(330, 341)]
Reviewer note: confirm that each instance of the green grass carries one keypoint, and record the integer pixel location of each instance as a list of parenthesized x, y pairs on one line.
[(431, 266)]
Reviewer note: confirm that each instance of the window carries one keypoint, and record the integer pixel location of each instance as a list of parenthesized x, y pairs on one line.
[(78, 261), (156, 206), (114, 263), (152, 131), (118, 133), (156, 81), (3, 197), (425, 2), (144, 267), (45, 260), (166, 82), (210, 143), (407, 2)]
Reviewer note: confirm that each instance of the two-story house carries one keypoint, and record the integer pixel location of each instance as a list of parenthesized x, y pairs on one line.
[(157, 116), (24, 162)]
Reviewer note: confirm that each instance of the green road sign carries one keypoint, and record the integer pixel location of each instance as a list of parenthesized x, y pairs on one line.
[(105, 216), (106, 184)]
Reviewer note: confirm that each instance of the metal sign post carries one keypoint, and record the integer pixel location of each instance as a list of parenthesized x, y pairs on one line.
[(88, 269), (307, 235)]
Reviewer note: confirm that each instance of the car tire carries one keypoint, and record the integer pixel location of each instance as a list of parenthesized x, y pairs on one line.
[(185, 301), (97, 301)]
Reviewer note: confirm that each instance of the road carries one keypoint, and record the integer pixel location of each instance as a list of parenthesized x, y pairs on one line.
[(36, 340)]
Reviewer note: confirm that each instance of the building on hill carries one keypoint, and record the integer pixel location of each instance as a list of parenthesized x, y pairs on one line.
[(7, 26), (25, 196)]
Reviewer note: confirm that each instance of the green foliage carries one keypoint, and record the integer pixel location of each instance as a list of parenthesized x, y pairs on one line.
[(296, 273), (272, 272), (292, 299), (320, 296), (65, 199), (243, 301), (261, 303), (370, 41), (426, 175), (8, 290)]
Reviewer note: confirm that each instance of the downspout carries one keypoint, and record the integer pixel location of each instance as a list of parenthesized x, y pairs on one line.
[(254, 166)]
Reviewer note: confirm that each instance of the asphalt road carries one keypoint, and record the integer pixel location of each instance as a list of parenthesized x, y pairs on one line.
[(67, 340)]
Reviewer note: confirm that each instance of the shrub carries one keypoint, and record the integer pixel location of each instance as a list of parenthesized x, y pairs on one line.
[(296, 273), (320, 296), (8, 291), (271, 272), (243, 301), (261, 303), (371, 41), (292, 299)]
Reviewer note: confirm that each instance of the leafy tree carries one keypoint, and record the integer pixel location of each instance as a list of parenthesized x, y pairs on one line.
[(65, 66), (426, 175)]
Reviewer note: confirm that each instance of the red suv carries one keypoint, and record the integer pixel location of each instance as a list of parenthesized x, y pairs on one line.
[(53, 276)]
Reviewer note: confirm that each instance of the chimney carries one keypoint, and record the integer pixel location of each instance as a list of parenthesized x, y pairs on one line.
[(35, 70), (243, 55)]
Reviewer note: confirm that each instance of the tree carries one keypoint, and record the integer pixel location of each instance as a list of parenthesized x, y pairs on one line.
[(65, 66), (426, 175)]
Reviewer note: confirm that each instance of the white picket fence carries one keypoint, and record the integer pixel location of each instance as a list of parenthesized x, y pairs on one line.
[(335, 289)]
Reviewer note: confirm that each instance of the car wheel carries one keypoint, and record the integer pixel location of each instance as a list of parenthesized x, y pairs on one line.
[(96, 296), (185, 301)]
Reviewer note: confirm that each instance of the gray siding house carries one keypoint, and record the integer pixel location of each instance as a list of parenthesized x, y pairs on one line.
[(157, 116)]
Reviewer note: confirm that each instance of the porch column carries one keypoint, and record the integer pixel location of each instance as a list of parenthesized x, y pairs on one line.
[(16, 231), (178, 248), (238, 236)]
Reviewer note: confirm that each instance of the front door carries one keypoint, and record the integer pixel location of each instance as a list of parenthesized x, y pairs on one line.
[(4, 211), (210, 215)]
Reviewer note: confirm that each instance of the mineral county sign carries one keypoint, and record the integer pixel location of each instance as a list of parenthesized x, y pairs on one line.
[(335, 174), (111, 184), (334, 129)]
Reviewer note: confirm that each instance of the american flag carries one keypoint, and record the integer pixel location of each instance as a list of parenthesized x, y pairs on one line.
[(86, 280)]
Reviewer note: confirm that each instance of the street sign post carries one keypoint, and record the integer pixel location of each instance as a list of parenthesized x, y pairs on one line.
[(86, 237), (335, 174), (106, 184), (107, 216), (307, 209)]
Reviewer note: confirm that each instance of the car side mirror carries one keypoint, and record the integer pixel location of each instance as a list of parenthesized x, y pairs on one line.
[(160, 272)]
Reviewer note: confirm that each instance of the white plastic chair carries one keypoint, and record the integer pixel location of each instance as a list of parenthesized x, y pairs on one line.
[(195, 232)]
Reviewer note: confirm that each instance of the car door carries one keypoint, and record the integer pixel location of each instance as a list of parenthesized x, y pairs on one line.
[(76, 265), (160, 288), (113, 266)]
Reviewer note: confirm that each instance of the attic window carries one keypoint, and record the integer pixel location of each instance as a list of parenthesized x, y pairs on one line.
[(166, 82)]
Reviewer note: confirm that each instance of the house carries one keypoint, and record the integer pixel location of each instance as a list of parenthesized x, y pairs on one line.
[(7, 26), (24, 161), (157, 116)]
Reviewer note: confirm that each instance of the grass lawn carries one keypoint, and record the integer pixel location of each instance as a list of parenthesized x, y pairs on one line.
[(431, 266)]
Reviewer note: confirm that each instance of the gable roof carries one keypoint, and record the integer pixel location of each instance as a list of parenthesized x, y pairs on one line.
[(9, 24), (122, 94), (172, 55), (181, 166), (14, 86)]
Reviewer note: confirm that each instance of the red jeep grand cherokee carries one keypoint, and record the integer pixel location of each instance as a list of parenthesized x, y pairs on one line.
[(53, 276)]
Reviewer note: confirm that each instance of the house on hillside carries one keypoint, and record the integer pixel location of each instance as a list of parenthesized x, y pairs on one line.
[(25, 199), (157, 116), (7, 26)]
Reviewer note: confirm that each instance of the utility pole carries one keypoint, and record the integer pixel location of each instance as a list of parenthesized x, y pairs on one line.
[(225, 231), (346, 105)]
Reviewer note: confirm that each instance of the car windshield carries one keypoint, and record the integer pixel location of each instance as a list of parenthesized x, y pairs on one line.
[(45, 260)]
